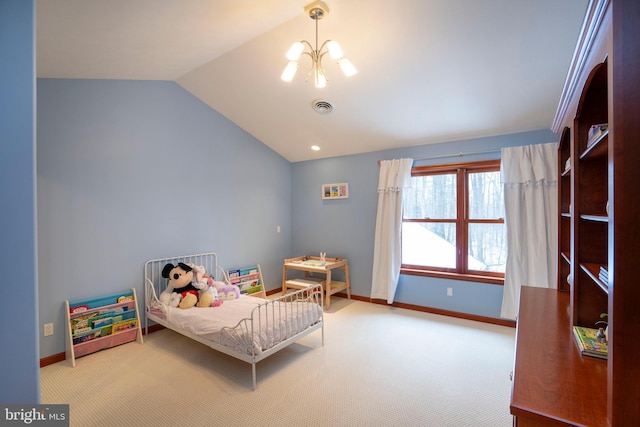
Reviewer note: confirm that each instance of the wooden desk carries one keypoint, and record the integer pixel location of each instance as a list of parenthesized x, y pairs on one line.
[(553, 385), (310, 265)]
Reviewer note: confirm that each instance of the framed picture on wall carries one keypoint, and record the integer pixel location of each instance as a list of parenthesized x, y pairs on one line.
[(335, 191)]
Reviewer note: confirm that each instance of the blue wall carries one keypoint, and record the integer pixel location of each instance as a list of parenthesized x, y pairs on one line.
[(19, 373), (134, 170), (345, 227)]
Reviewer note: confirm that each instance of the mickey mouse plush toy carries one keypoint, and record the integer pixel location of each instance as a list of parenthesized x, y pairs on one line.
[(180, 291)]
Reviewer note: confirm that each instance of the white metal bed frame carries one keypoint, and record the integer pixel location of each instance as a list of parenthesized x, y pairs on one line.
[(262, 314)]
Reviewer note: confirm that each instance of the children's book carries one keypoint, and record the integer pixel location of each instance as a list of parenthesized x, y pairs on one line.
[(81, 323), (247, 279), (588, 342), (86, 336), (124, 325)]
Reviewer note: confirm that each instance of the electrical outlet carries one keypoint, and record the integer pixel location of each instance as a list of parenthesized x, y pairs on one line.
[(278, 229), (48, 329), (449, 292)]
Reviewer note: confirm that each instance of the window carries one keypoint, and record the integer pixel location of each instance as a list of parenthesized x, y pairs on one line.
[(453, 222)]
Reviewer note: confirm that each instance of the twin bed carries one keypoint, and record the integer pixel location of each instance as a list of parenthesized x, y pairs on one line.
[(248, 328)]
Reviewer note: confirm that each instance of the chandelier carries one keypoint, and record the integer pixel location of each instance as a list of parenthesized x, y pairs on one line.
[(316, 10)]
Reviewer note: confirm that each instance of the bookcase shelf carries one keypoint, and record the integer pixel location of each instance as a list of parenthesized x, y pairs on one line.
[(598, 148), (597, 218), (100, 323), (593, 271)]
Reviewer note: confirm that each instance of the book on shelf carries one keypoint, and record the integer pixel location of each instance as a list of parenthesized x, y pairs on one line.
[(604, 274), (250, 287), (99, 319), (595, 132), (86, 336), (588, 342), (103, 321), (125, 298), (86, 305), (124, 325), (247, 279), (234, 275), (80, 324), (78, 309)]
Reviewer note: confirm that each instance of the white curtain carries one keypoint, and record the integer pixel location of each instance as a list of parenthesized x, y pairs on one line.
[(530, 178), (395, 175)]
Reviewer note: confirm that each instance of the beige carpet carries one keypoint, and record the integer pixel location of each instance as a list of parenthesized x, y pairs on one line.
[(380, 366)]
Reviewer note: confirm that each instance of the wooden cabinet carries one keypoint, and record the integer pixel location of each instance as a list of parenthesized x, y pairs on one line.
[(599, 228)]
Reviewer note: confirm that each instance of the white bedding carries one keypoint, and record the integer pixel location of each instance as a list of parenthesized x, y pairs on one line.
[(230, 323)]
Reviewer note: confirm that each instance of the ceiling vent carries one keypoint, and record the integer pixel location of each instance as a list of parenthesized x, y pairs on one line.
[(321, 107)]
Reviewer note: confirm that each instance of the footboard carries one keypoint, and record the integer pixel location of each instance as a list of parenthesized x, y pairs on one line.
[(274, 322)]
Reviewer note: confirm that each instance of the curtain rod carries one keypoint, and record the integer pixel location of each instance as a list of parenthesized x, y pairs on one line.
[(458, 154)]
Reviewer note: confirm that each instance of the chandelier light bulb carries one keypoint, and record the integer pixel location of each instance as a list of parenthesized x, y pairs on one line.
[(347, 67), (321, 79), (294, 52), (290, 71), (335, 51)]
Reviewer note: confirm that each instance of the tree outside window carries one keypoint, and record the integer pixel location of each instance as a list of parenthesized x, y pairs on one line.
[(453, 222)]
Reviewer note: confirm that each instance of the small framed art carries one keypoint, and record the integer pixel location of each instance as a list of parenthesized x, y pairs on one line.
[(335, 191)]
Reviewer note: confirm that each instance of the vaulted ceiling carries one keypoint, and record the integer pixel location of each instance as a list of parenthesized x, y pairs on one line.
[(429, 71)]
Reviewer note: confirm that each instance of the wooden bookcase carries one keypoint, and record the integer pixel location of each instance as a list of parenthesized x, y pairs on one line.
[(100, 323), (553, 385), (590, 193)]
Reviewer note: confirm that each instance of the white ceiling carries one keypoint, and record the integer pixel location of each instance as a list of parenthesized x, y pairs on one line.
[(428, 70)]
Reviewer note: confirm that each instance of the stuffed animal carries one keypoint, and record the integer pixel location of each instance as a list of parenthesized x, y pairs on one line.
[(228, 292), (180, 291), (205, 285), (222, 291)]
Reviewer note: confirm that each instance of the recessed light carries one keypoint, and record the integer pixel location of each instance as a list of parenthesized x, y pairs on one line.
[(315, 148)]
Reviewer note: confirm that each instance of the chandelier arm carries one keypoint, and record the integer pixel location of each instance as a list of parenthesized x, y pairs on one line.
[(307, 44), (324, 44), (313, 62)]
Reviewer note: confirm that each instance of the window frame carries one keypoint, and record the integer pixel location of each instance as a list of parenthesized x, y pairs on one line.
[(462, 222)]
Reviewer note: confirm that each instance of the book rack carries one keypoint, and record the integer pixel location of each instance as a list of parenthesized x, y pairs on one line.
[(100, 323), (249, 280)]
